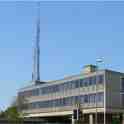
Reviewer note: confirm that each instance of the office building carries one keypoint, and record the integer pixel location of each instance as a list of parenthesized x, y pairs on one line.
[(97, 93)]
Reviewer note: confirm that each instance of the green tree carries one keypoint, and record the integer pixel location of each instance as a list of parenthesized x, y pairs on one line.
[(12, 113), (2, 114)]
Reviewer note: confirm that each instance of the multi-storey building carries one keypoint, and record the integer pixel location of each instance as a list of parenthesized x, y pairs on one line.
[(98, 93)]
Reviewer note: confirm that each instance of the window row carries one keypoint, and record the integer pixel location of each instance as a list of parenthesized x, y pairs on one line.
[(73, 84), (66, 86), (69, 101)]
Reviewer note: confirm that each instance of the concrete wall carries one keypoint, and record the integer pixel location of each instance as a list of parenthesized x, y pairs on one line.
[(113, 99)]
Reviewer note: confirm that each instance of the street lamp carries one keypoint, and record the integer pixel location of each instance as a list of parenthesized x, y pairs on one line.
[(98, 61)]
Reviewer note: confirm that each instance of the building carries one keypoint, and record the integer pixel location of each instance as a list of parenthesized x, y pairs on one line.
[(98, 93)]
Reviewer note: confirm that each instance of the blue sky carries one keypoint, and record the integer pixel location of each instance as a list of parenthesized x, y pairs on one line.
[(73, 34)]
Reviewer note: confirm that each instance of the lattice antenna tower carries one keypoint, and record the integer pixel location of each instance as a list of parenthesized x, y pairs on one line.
[(36, 47)]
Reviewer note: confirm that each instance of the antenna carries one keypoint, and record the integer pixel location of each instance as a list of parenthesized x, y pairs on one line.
[(36, 47)]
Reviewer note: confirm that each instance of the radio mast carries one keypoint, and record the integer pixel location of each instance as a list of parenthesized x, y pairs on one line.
[(36, 47)]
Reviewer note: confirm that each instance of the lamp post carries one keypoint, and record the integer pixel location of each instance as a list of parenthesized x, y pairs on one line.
[(98, 61)]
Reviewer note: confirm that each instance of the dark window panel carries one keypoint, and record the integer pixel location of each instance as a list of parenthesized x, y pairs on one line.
[(122, 84), (100, 79)]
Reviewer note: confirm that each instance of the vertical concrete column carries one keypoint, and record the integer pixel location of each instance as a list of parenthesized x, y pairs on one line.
[(72, 120), (122, 118), (91, 119)]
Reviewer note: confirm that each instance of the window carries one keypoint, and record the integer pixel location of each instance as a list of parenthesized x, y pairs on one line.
[(86, 82), (73, 84), (82, 99), (81, 83), (100, 79), (61, 87), (69, 85), (100, 97), (92, 98), (90, 80), (94, 80), (122, 91), (76, 83), (35, 92), (65, 86), (122, 84), (77, 99), (43, 90), (122, 100), (85, 98)]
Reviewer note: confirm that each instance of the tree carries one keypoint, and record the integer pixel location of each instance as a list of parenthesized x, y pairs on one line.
[(14, 111), (2, 114), (11, 115)]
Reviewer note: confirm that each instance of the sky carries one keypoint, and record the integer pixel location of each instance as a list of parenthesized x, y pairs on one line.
[(73, 34)]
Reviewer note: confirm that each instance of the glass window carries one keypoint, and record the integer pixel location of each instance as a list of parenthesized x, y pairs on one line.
[(57, 88), (73, 100), (85, 98), (77, 99), (61, 102), (35, 92), (94, 80), (69, 85), (86, 82), (40, 91), (61, 87), (122, 100), (92, 98), (90, 80), (54, 88), (122, 84), (54, 103), (64, 86), (82, 99), (73, 84), (76, 83), (100, 97), (100, 79), (81, 83), (44, 89)]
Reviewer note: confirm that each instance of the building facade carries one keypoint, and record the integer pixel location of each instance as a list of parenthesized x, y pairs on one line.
[(99, 94)]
